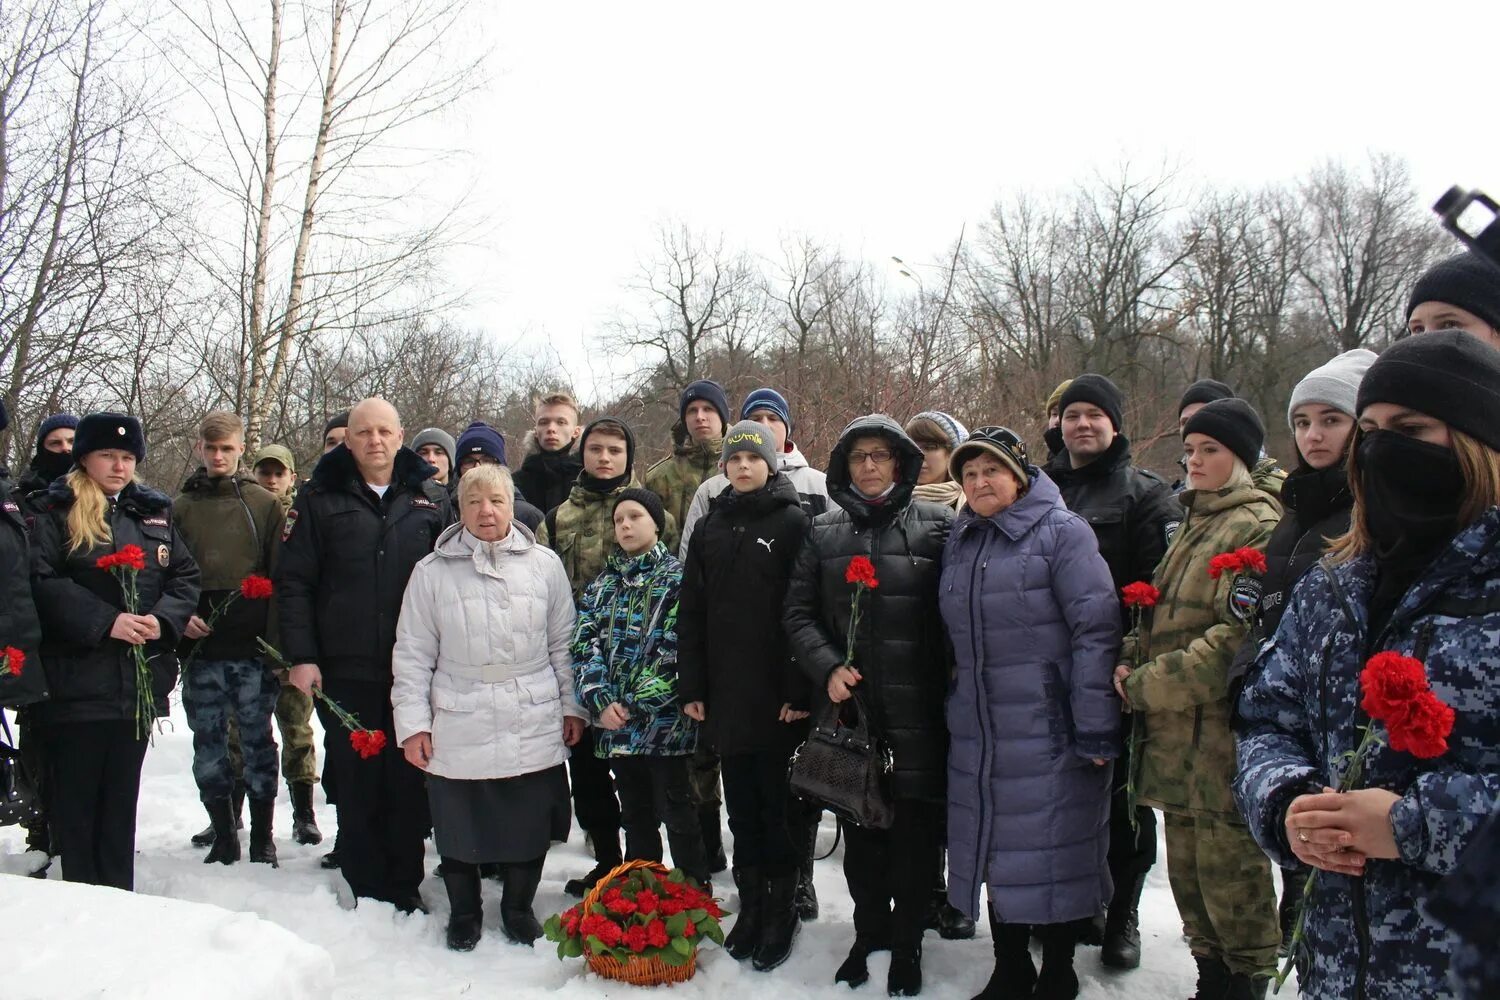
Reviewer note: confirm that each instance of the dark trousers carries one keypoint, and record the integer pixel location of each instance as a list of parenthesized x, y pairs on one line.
[(94, 781), (889, 873), (33, 750), (1132, 852), (214, 692), (382, 804), (653, 791), (594, 803), (763, 812)]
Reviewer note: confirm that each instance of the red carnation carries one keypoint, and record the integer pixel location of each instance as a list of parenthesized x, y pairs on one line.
[(619, 906), (1425, 730), (656, 934), (132, 557), (647, 901), (689, 930), (14, 660), (635, 938), (255, 588), (1140, 595), (1251, 559), (570, 921), (1225, 562), (367, 742), (608, 932), (861, 572), (671, 907), (1390, 683)]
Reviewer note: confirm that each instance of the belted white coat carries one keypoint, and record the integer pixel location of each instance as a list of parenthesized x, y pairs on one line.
[(481, 659)]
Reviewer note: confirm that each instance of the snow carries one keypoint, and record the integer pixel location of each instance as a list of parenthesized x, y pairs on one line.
[(250, 931)]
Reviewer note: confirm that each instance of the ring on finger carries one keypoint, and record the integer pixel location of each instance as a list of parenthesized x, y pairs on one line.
[(1302, 836)]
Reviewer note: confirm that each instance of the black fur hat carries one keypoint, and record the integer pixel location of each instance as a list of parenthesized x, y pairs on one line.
[(98, 431)]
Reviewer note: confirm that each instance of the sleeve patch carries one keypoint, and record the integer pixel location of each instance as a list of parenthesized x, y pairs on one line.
[(291, 522), (1170, 530), (1244, 598)]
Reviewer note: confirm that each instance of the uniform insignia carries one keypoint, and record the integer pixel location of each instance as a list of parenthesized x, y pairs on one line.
[(1170, 530), (291, 522), (13, 507), (422, 503), (160, 522), (163, 556), (1244, 598)]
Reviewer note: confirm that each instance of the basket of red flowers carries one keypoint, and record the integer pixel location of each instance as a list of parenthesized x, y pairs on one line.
[(641, 924)]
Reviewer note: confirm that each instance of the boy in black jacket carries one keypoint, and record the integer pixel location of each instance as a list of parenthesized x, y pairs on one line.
[(739, 679)]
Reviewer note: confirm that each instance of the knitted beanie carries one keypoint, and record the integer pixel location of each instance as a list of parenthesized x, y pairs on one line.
[(1463, 280), (1099, 391), (707, 390), (1205, 390), (56, 422), (1334, 384), (479, 438), (768, 399), (444, 440), (1448, 375), (747, 435), (935, 425), (646, 499), (1234, 424)]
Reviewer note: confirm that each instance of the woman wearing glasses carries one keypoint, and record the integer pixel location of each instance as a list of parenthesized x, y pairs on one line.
[(1034, 718), (1174, 674), (898, 667)]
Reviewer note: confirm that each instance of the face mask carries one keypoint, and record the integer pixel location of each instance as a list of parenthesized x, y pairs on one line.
[(1054, 439), (51, 464), (1412, 491)]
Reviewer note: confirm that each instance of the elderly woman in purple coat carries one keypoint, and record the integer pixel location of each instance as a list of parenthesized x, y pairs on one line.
[(1033, 717)]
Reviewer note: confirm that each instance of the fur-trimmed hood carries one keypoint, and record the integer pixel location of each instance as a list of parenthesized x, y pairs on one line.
[(338, 468)]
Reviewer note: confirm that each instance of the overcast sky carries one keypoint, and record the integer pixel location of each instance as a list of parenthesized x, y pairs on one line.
[(883, 128)]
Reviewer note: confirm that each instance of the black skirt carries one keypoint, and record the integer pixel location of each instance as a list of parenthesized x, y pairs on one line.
[(499, 819)]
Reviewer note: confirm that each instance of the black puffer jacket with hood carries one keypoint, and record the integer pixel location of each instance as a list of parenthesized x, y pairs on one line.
[(901, 648)]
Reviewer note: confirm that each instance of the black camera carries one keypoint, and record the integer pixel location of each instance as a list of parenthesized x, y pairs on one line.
[(1473, 217)]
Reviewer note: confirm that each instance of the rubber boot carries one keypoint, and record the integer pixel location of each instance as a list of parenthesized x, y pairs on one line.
[(465, 910), (1058, 980), (1015, 973), (713, 839), (905, 976), (226, 845), (1122, 926), (854, 969), (516, 915), (262, 825), (1213, 979), (1243, 987), (779, 921), (744, 936), (304, 820)]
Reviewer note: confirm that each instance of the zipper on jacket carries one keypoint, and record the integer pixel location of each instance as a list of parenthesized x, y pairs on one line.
[(249, 516), (976, 583)]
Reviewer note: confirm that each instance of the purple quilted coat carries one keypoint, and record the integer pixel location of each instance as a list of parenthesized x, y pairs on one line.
[(1035, 623)]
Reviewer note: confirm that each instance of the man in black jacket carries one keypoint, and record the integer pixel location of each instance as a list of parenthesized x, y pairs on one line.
[(369, 514), (1134, 514), (551, 466)]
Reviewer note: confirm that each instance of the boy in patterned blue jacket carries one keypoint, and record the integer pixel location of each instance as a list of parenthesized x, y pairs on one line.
[(625, 673)]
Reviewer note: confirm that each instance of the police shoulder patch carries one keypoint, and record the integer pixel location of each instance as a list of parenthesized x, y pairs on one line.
[(1170, 530), (158, 522), (422, 503), (12, 507), (1244, 597), (291, 522)]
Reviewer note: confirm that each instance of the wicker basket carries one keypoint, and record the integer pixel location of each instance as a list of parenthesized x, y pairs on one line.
[(637, 970)]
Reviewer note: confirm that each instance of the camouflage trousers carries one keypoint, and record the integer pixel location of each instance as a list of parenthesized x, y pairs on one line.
[(703, 775), (1225, 896), (213, 693), (299, 754)]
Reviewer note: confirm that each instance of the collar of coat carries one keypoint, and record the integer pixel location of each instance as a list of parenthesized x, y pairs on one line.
[(1203, 502), (201, 482), (338, 470), (1015, 521), (638, 570), (1116, 455), (136, 499), (454, 544)]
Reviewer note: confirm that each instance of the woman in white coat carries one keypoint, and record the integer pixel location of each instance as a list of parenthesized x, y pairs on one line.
[(483, 701)]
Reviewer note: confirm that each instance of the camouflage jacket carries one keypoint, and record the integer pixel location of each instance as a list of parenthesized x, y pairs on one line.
[(676, 479), (1181, 693), (1300, 713), (1269, 475), (581, 530)]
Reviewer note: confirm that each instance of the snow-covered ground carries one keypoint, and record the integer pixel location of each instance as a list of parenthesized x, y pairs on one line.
[(266, 932)]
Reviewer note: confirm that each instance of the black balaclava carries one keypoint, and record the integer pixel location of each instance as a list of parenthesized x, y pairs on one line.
[(1412, 491)]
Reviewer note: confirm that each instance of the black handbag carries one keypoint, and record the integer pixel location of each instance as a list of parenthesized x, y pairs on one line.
[(846, 769), (18, 798)]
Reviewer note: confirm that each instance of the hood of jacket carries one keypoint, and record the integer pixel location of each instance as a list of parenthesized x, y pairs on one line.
[(778, 492), (1017, 520), (908, 467), (338, 468), (200, 483), (791, 458), (457, 543), (1060, 467)]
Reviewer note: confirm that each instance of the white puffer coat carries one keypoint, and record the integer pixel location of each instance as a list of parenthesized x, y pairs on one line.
[(481, 659)]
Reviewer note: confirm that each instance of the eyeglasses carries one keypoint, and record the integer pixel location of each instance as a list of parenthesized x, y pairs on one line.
[(880, 457), (1005, 439)]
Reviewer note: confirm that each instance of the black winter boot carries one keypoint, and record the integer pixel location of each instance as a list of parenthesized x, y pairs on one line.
[(226, 845), (331, 859), (951, 923), (905, 977), (304, 820), (742, 938), (516, 915), (606, 853), (854, 970), (1213, 979), (807, 893), (1243, 987), (262, 826), (713, 839), (465, 910), (1122, 926), (779, 921), (204, 837), (1058, 980), (1015, 973)]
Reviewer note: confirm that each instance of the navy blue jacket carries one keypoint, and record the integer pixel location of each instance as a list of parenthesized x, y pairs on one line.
[(1299, 713)]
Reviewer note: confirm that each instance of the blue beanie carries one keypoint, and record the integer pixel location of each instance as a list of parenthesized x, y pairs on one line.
[(710, 392), (56, 422), (479, 438), (768, 399), (101, 431)]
